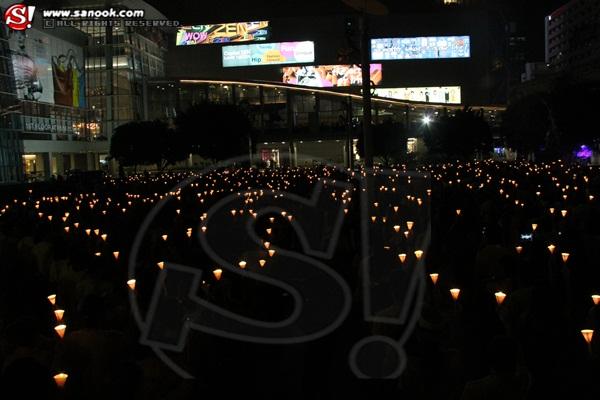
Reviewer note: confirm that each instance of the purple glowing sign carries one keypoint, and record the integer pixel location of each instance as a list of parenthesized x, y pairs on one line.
[(584, 152)]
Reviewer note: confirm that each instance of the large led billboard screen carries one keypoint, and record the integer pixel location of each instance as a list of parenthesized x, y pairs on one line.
[(418, 48), (329, 75), (223, 33), (47, 69), (440, 94), (268, 53)]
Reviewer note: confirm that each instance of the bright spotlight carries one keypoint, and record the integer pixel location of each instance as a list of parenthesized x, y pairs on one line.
[(426, 120)]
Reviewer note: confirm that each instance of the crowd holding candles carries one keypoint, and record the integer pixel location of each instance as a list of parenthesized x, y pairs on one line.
[(513, 255)]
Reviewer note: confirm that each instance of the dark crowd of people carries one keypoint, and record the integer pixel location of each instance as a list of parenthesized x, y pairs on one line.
[(517, 242)]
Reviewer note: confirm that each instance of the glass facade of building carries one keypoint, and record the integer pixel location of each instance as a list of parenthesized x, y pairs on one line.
[(11, 147), (118, 61), (281, 112)]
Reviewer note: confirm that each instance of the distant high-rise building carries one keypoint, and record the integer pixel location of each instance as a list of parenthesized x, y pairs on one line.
[(573, 38)]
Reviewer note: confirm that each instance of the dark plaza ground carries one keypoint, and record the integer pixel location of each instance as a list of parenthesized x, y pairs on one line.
[(519, 240)]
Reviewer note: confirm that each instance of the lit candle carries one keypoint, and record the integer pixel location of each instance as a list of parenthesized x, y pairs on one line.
[(59, 315), (52, 299), (519, 249), (419, 254), (551, 248), (60, 379), (60, 330), (161, 264), (534, 226), (116, 255), (271, 253), (131, 284), (458, 211), (565, 256), (217, 273), (409, 224), (434, 277), (397, 228), (587, 335), (262, 262), (500, 296), (402, 257), (242, 264), (596, 299), (455, 293)]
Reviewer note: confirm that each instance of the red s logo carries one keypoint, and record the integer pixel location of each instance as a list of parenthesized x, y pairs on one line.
[(19, 17)]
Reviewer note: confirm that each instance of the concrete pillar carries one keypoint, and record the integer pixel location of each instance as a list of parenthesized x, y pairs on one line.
[(47, 164), (90, 161), (60, 166), (72, 160)]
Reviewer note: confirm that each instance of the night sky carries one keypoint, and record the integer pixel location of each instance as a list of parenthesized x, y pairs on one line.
[(529, 13)]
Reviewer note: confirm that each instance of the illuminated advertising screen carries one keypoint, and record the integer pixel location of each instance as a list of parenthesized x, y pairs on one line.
[(47, 69), (223, 33), (417, 48), (440, 94), (329, 75), (268, 53)]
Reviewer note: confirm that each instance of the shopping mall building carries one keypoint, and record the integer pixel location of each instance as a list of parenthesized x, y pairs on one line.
[(296, 76)]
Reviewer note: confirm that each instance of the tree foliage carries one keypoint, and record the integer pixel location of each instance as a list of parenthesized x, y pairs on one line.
[(460, 136), (553, 123), (147, 143), (389, 142), (216, 131)]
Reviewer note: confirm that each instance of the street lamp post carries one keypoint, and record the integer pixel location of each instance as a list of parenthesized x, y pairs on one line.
[(366, 7)]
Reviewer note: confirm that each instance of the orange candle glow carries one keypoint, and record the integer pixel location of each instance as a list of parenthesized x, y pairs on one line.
[(587, 334), (131, 284), (116, 255), (565, 256), (458, 212), (60, 379), (262, 262), (434, 277), (418, 254), (534, 226), (551, 248), (596, 299), (60, 330), (161, 264), (52, 299), (500, 296), (397, 228), (455, 293), (402, 257), (242, 264), (165, 237), (271, 253), (218, 273), (59, 315), (409, 224), (519, 249)]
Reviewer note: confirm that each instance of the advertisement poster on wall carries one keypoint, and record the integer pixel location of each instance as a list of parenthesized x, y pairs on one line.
[(440, 94), (416, 48), (47, 69), (268, 53), (329, 75), (222, 33)]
